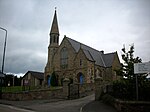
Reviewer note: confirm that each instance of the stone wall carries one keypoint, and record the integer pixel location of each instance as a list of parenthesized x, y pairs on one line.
[(98, 88), (67, 91), (38, 94), (102, 87)]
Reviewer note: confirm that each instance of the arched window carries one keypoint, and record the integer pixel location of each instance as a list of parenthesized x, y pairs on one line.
[(57, 39), (80, 78), (64, 57), (99, 73), (54, 39), (48, 80)]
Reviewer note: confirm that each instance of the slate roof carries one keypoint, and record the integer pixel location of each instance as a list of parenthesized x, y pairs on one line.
[(92, 54), (88, 55), (108, 59), (38, 75)]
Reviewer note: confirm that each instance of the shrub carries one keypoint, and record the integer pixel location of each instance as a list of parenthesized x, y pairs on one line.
[(108, 99), (54, 80), (126, 90)]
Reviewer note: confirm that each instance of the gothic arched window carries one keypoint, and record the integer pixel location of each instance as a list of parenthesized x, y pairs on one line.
[(64, 57), (99, 73)]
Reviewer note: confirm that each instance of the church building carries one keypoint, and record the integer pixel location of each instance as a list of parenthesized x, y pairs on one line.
[(76, 61)]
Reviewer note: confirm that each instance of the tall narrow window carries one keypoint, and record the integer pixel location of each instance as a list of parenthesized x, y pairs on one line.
[(80, 78), (57, 39), (64, 58), (80, 62), (50, 40), (54, 39)]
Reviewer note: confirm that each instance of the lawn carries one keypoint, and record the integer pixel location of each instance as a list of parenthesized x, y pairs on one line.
[(17, 88), (24, 88)]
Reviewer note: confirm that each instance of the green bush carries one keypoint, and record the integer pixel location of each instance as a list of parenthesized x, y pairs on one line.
[(144, 91), (108, 99), (18, 88), (12, 89), (54, 80), (126, 90)]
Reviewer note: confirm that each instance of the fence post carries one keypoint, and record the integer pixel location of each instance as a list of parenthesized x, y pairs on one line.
[(66, 82), (98, 88)]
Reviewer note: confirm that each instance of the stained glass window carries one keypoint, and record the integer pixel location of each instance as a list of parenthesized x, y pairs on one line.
[(64, 57)]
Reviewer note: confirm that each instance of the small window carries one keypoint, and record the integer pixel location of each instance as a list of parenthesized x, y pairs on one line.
[(54, 39), (57, 39), (50, 40), (80, 62)]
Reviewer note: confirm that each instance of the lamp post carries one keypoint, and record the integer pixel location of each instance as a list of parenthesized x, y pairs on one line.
[(4, 49), (2, 72)]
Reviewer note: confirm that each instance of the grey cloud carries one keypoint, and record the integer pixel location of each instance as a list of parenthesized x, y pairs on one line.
[(139, 13), (21, 63), (104, 25)]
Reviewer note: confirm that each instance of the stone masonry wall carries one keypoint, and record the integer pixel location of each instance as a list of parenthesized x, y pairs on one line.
[(71, 91), (30, 95)]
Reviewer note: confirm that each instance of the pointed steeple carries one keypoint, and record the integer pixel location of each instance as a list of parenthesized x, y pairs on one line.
[(54, 27), (54, 32)]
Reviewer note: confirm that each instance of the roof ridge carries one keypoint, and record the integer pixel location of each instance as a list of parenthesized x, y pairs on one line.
[(109, 53), (102, 60), (84, 44)]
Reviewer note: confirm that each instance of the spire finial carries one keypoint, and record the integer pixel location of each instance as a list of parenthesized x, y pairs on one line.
[(54, 27)]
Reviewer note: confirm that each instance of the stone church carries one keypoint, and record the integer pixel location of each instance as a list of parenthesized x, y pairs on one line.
[(76, 61)]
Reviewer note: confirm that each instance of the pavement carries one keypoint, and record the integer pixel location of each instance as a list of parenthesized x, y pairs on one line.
[(86, 104), (28, 104), (97, 106)]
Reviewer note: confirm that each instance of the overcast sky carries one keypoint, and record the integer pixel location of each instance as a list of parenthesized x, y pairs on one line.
[(102, 24)]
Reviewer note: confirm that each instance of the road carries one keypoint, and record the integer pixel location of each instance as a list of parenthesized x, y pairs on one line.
[(7, 108), (63, 106), (60, 106)]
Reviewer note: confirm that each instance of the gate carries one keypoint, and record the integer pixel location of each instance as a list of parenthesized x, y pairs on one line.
[(73, 91)]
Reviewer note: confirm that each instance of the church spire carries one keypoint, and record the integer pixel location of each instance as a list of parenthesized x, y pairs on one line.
[(54, 32), (54, 27)]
